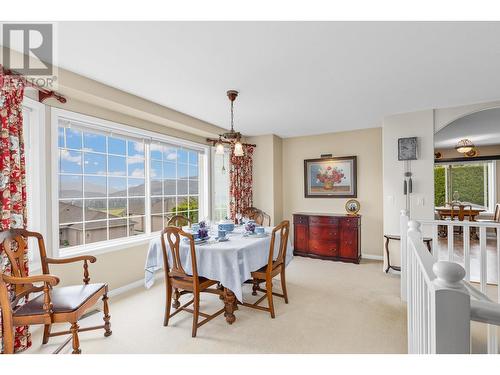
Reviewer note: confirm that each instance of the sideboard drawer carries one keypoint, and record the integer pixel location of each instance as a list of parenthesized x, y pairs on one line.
[(323, 232), (351, 222), (300, 219), (325, 248), (323, 220)]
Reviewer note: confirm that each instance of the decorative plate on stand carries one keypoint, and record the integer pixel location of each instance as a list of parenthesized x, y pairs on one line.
[(352, 207)]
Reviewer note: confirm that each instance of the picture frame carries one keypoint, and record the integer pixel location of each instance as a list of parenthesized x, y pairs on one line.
[(334, 177), (407, 148)]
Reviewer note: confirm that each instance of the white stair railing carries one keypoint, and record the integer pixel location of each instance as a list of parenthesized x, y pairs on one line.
[(439, 302)]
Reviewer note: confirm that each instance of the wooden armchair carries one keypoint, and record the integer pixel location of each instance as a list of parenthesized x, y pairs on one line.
[(179, 221), (176, 278), (273, 268), (54, 305)]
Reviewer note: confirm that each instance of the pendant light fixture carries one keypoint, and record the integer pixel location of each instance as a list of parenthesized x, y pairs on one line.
[(231, 137), (464, 146)]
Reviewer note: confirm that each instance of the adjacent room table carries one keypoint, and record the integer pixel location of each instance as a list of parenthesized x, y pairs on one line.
[(229, 262)]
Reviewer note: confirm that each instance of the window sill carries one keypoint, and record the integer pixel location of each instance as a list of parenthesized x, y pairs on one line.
[(106, 246)]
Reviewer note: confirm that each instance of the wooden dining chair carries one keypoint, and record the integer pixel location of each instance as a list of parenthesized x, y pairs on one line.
[(183, 283), (266, 219), (179, 221), (54, 305), (273, 268), (259, 216), (496, 217)]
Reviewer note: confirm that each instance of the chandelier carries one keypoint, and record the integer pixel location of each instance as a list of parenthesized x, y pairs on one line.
[(231, 137), (464, 146)]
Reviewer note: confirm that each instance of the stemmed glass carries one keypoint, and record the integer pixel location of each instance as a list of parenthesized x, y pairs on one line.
[(239, 217)]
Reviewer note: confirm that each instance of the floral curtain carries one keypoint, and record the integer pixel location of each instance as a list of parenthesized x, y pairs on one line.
[(12, 178), (240, 181)]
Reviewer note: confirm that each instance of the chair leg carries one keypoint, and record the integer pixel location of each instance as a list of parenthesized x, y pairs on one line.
[(76, 341), (8, 339), (46, 333), (107, 317), (255, 287), (168, 302), (283, 285), (196, 313), (177, 295), (269, 292)]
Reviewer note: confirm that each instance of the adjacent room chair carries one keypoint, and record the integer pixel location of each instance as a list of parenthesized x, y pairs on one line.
[(53, 305), (176, 278), (273, 268), (496, 217), (179, 221)]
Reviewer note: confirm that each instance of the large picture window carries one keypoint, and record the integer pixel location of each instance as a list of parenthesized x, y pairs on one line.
[(114, 184), (174, 183)]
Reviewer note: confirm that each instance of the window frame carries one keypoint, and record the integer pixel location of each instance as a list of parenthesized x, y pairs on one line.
[(227, 153), (34, 149), (101, 125)]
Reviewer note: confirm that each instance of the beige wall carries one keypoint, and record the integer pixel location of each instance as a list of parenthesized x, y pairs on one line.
[(367, 146), (415, 124), (267, 177)]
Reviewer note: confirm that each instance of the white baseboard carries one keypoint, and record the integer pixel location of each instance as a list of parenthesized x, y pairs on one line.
[(133, 285), (371, 256)]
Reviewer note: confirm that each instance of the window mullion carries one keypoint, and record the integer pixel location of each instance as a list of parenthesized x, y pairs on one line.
[(147, 185)]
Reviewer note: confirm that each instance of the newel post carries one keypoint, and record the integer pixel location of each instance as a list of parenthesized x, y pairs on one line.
[(450, 310), (403, 244)]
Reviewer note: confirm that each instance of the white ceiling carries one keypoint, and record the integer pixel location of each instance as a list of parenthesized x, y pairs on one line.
[(294, 78), (482, 128)]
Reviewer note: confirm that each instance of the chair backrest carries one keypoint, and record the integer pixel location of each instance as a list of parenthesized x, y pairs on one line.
[(14, 242), (256, 214), (281, 231), (179, 221), (266, 219), (455, 209), (173, 264), (463, 209), (497, 213)]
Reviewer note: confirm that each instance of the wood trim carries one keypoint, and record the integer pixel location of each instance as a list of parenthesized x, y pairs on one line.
[(462, 159)]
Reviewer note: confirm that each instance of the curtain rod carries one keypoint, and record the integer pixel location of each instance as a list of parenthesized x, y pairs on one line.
[(214, 141), (42, 93)]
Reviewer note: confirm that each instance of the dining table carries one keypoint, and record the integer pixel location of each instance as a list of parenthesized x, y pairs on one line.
[(461, 212), (229, 262)]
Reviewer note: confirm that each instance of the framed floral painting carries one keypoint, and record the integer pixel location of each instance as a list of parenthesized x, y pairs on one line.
[(330, 177)]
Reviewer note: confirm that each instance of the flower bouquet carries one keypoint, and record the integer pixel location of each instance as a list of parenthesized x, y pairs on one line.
[(250, 227), (203, 230), (329, 176)]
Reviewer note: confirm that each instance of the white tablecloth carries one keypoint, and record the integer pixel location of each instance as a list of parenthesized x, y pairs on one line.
[(229, 262)]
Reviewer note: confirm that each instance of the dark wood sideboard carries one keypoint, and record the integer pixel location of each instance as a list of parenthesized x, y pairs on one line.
[(327, 236)]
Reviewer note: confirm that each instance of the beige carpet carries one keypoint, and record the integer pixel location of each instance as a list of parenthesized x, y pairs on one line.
[(334, 308)]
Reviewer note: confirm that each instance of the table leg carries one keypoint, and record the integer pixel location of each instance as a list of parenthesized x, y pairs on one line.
[(229, 305), (387, 254)]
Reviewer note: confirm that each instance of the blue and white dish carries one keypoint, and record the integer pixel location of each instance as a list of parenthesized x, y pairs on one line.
[(254, 235), (259, 230), (226, 225)]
